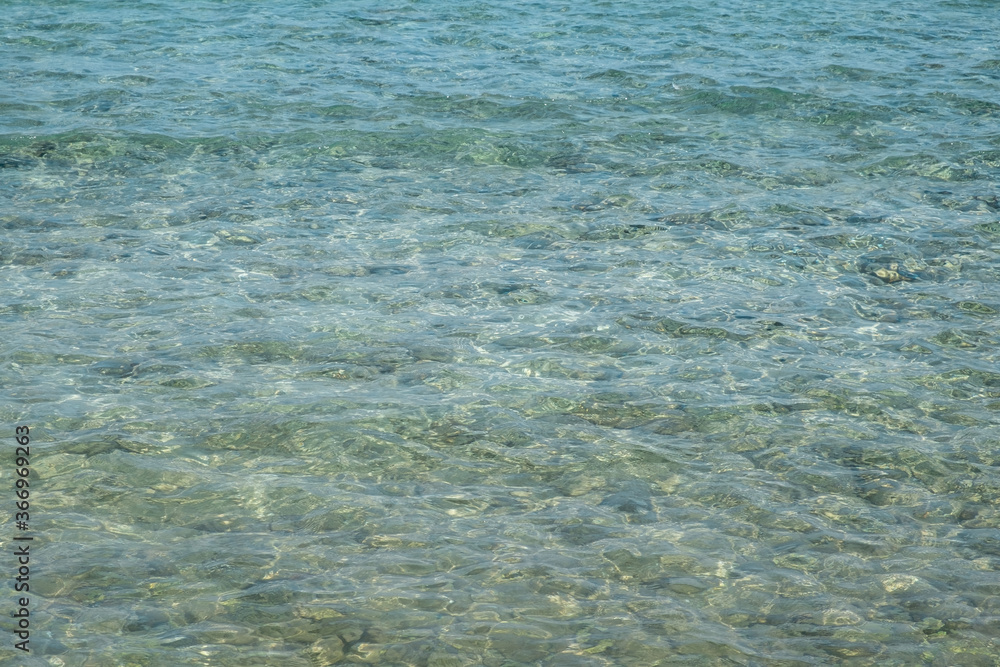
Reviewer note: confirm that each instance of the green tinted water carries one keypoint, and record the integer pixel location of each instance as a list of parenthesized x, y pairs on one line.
[(447, 334)]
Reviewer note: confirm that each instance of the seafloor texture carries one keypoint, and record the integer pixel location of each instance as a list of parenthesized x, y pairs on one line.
[(530, 333)]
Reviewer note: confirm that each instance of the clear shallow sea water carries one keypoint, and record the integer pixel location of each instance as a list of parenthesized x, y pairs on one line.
[(532, 333)]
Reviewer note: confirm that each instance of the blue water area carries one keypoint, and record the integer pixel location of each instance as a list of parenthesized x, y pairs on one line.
[(440, 333)]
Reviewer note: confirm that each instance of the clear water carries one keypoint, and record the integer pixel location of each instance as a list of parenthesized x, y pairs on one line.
[(534, 333)]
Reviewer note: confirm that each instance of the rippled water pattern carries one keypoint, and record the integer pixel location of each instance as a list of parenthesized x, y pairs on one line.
[(533, 333)]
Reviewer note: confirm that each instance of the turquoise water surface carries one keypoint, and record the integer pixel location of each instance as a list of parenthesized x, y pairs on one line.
[(532, 333)]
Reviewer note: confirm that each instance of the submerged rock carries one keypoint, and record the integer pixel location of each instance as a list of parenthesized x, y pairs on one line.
[(633, 500)]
